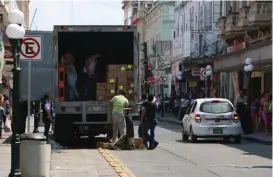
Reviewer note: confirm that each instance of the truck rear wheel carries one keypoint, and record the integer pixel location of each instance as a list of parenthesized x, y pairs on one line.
[(63, 130)]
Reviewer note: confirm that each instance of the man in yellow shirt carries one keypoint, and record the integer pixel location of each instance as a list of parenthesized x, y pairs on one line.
[(118, 103)]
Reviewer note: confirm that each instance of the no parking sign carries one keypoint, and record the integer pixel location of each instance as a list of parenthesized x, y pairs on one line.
[(203, 74)]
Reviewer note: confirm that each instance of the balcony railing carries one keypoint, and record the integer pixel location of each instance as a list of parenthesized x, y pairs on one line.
[(222, 26), (260, 13), (243, 17), (231, 22)]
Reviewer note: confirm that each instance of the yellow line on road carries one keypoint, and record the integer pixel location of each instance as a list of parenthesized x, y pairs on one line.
[(114, 162)]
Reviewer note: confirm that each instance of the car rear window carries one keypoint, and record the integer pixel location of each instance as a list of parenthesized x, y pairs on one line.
[(216, 107)]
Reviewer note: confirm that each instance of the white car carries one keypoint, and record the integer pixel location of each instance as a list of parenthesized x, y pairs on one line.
[(209, 118)]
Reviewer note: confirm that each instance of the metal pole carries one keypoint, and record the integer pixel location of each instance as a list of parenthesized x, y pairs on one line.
[(146, 86), (15, 144), (29, 95), (208, 86), (248, 89), (163, 100)]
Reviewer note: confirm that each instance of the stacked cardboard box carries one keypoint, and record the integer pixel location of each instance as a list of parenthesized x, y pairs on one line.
[(120, 77), (111, 86), (101, 90)]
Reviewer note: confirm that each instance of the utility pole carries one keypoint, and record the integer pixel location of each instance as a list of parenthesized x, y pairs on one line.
[(146, 76)]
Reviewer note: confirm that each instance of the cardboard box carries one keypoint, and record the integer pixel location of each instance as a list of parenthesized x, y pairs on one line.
[(112, 80), (130, 94), (101, 95), (111, 86), (130, 73), (130, 79), (113, 68), (122, 79), (111, 92), (101, 86), (121, 87), (130, 85), (122, 68), (130, 67)]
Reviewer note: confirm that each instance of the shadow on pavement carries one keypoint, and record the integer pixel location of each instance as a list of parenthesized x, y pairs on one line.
[(248, 148), (82, 143), (171, 127), (254, 149)]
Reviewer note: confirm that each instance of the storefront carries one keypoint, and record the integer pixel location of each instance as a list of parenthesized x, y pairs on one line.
[(232, 75)]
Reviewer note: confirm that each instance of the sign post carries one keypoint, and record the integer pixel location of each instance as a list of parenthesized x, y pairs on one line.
[(162, 81), (31, 51)]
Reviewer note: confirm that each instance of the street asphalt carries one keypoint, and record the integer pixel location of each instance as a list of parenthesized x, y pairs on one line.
[(207, 158)]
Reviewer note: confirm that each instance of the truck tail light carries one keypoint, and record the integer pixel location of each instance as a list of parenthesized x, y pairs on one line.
[(236, 118), (197, 118)]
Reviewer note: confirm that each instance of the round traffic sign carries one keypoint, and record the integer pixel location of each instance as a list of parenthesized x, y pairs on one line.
[(163, 79), (151, 80), (203, 73), (30, 52)]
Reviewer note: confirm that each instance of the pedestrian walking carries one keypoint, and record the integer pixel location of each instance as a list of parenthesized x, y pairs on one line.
[(183, 107), (141, 127), (2, 115), (255, 114), (47, 114), (266, 114), (241, 98), (149, 122), (118, 103)]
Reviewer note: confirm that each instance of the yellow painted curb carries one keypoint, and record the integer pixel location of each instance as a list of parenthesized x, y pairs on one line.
[(114, 162)]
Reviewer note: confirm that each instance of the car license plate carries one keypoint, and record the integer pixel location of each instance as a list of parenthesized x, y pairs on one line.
[(217, 130)]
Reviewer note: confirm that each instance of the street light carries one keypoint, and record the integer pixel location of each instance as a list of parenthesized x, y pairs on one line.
[(179, 78), (15, 33), (248, 69), (208, 75)]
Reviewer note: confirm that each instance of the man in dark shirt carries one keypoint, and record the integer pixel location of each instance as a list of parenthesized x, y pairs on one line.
[(148, 112), (141, 127)]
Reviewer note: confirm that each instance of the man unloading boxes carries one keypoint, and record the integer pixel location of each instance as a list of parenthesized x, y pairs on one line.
[(120, 105)]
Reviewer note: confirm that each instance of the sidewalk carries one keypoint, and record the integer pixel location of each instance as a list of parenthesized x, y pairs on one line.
[(64, 162), (255, 137)]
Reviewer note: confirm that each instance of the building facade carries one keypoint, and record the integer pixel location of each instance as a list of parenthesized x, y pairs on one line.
[(246, 29), (142, 14), (196, 39), (158, 33), (5, 8)]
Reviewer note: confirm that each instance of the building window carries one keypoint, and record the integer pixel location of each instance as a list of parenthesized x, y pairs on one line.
[(174, 35)]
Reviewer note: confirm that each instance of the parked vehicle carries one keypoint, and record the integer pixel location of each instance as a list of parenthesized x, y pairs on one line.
[(116, 45), (209, 118)]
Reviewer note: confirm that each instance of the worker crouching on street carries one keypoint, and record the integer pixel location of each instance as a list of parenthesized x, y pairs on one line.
[(149, 121), (118, 104)]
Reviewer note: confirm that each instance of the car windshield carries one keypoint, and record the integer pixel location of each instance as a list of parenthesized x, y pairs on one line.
[(216, 107)]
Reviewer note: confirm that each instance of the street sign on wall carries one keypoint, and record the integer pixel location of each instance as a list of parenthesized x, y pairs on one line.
[(31, 48)]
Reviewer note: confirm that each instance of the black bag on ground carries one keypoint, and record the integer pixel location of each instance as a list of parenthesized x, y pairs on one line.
[(129, 126)]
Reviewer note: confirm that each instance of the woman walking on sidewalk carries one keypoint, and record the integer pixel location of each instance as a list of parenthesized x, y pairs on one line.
[(2, 114)]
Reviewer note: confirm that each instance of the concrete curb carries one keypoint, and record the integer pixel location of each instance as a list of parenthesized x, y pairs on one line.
[(247, 138)]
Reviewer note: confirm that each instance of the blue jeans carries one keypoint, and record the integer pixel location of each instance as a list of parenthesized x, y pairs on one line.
[(71, 82), (149, 132)]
